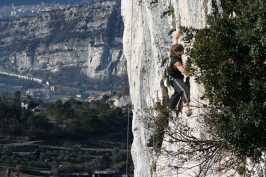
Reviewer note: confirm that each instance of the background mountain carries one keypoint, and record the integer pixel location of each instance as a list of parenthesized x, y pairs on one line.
[(15, 9), (80, 46), (35, 2)]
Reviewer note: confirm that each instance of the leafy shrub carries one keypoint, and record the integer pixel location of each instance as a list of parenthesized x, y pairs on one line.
[(228, 58)]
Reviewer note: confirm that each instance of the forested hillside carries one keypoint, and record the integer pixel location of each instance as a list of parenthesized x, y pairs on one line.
[(67, 133), (73, 119)]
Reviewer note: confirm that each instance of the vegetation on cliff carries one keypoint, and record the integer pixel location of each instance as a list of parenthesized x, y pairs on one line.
[(229, 58)]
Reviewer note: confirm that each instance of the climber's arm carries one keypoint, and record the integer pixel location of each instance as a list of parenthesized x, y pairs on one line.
[(176, 37), (180, 67)]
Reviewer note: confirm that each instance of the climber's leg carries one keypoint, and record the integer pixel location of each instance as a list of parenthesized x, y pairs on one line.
[(173, 100)]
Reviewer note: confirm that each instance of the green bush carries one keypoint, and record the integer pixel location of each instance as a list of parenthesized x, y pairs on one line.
[(8, 161), (228, 58), (119, 157), (115, 151), (79, 159), (7, 152)]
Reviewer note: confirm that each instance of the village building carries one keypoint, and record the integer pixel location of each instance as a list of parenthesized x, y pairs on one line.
[(26, 103), (55, 88)]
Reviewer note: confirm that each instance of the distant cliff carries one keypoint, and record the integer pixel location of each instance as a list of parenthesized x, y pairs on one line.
[(88, 38), (18, 8)]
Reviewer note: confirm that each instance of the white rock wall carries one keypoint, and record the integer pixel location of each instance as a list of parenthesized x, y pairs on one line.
[(146, 48)]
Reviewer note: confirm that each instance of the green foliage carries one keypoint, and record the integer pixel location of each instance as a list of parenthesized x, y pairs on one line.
[(7, 152), (117, 155), (37, 121), (123, 146), (228, 58), (17, 95), (115, 151), (159, 124), (79, 118)]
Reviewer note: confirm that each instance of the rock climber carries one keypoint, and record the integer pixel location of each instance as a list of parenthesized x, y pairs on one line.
[(177, 73)]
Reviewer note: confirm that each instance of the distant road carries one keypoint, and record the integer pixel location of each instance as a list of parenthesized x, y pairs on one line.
[(46, 87), (22, 76)]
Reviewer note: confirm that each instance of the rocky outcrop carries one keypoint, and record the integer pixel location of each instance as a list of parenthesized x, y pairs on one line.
[(117, 98), (86, 37), (147, 40)]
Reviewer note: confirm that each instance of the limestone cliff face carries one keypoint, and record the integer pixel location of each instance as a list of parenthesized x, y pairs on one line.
[(147, 41), (86, 37)]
